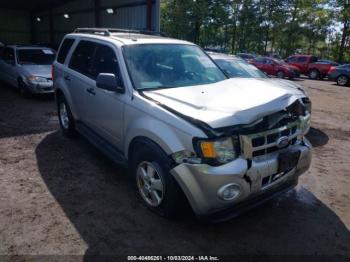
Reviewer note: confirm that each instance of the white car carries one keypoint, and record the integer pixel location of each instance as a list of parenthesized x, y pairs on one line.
[(27, 68)]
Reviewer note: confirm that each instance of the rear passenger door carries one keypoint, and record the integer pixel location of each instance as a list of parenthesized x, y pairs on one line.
[(105, 109), (79, 78), (303, 63)]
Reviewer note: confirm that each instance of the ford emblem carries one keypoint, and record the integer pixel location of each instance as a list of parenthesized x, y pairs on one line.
[(282, 142)]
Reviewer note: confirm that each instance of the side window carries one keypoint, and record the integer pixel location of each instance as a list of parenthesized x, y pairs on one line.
[(313, 59), (269, 62), (302, 59), (105, 61), (62, 54), (82, 58), (291, 59), (8, 55), (260, 60)]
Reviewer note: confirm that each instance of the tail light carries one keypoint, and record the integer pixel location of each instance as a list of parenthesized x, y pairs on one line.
[(332, 69), (52, 72)]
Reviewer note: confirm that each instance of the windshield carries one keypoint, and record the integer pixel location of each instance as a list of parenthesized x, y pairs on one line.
[(239, 68), (35, 56), (169, 65)]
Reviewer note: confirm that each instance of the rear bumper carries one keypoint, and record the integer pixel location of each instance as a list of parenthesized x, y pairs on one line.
[(201, 183), (332, 77)]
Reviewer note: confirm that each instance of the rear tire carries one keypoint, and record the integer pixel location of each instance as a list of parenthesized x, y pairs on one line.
[(342, 80), (158, 189), (314, 74), (65, 117), (280, 74)]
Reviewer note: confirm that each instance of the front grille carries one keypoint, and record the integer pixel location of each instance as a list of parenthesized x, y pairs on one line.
[(265, 142)]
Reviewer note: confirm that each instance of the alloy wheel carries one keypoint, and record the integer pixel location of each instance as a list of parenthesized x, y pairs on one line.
[(280, 74), (149, 183), (313, 74), (342, 80), (64, 115)]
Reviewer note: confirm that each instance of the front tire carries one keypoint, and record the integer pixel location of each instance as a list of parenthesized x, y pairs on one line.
[(342, 80), (158, 189), (23, 89), (65, 117)]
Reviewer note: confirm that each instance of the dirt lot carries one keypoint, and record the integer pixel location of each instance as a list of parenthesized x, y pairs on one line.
[(60, 196)]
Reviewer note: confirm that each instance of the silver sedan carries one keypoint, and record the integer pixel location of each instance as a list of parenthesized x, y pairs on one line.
[(27, 68)]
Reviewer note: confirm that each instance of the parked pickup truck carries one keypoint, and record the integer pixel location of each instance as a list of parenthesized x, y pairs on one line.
[(188, 133), (308, 65)]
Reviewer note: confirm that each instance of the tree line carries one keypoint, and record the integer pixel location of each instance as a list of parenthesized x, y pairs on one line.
[(283, 27)]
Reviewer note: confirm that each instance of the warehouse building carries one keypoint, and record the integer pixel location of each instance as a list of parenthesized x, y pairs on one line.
[(47, 21)]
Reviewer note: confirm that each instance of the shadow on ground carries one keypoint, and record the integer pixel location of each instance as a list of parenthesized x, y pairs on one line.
[(317, 137), (99, 199), (20, 116)]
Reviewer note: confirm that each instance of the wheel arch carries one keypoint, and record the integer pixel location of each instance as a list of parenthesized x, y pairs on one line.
[(314, 68), (342, 74), (166, 137), (139, 140), (61, 92)]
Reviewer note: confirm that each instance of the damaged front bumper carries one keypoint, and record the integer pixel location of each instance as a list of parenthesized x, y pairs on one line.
[(255, 179)]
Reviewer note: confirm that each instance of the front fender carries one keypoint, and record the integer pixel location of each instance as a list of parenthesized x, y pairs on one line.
[(169, 138)]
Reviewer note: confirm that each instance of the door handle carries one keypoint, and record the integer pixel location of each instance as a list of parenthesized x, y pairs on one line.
[(67, 78), (91, 91)]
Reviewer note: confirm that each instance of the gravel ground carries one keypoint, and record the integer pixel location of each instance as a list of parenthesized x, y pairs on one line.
[(61, 196)]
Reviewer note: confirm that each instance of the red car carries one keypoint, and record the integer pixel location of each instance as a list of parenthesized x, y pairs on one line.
[(308, 65), (272, 66)]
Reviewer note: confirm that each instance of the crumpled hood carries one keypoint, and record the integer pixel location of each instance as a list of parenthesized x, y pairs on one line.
[(38, 70), (230, 102)]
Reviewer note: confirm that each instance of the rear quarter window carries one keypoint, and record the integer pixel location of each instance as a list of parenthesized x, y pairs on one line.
[(63, 52)]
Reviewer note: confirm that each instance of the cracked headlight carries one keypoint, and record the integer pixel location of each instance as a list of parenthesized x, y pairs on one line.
[(186, 157), (217, 152)]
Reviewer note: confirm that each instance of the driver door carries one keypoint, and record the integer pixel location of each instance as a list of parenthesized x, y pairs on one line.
[(105, 108)]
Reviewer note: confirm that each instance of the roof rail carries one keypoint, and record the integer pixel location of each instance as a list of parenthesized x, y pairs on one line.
[(96, 31), (109, 31)]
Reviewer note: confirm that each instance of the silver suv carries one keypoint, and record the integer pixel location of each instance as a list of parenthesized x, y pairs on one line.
[(188, 133)]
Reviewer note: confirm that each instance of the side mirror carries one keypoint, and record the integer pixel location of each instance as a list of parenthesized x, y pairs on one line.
[(109, 82)]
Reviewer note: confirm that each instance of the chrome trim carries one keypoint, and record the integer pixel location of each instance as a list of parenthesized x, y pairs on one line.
[(246, 141)]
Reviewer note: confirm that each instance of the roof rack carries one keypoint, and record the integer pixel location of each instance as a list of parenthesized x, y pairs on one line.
[(109, 31)]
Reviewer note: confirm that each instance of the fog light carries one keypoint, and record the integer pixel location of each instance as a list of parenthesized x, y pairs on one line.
[(229, 192)]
